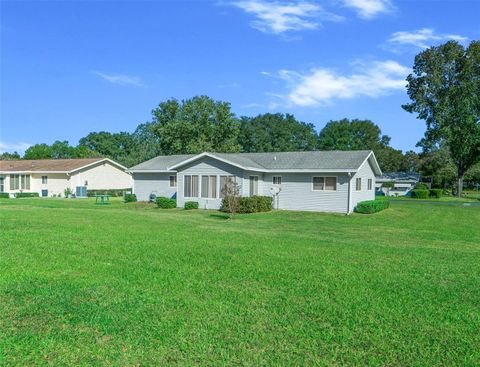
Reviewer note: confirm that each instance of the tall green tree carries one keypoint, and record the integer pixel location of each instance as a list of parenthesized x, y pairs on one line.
[(361, 135), (445, 92), (276, 133), (117, 146), (6, 156), (196, 125), (39, 151)]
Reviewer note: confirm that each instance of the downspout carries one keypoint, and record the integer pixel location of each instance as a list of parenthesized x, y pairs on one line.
[(349, 204)]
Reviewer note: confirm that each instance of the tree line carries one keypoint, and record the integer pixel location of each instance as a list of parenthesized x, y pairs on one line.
[(444, 89)]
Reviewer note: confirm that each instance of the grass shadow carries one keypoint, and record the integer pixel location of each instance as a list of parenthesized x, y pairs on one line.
[(219, 216)]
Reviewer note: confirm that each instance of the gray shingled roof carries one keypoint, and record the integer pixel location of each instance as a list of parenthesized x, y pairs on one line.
[(315, 160)]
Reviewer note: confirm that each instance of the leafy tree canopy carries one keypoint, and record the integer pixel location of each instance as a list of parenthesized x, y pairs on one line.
[(445, 92), (195, 125), (276, 133), (5, 156)]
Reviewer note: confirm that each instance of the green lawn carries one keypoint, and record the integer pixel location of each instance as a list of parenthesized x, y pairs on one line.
[(129, 284)]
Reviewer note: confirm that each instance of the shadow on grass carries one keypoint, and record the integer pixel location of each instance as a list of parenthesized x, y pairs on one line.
[(219, 216)]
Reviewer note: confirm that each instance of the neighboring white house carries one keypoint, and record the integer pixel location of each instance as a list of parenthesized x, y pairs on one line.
[(331, 181), (403, 183), (49, 177)]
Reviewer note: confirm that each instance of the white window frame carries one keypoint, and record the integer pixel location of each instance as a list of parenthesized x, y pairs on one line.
[(357, 181), (277, 177), (369, 184), (174, 180), (325, 183), (254, 181), (191, 186), (44, 180), (211, 190)]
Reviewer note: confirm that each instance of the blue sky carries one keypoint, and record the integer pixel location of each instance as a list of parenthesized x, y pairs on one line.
[(72, 67)]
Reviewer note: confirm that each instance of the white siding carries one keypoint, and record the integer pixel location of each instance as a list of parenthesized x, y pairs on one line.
[(145, 184), (297, 192), (207, 166), (103, 176), (365, 172)]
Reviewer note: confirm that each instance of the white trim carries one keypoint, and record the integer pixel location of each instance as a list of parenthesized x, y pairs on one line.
[(150, 171), (375, 166), (100, 161), (210, 155)]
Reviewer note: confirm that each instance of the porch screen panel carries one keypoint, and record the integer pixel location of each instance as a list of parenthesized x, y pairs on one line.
[(205, 186)]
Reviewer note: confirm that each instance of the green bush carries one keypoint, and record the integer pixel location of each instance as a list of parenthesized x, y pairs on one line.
[(419, 194), (421, 186), (166, 203), (436, 193), (27, 195), (250, 204), (371, 206), (130, 198), (191, 205), (114, 193), (4, 195)]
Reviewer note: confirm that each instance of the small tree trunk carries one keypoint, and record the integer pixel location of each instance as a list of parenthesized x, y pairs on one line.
[(460, 186)]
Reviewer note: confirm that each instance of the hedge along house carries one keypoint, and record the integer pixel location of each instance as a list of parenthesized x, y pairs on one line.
[(330, 181), (49, 177)]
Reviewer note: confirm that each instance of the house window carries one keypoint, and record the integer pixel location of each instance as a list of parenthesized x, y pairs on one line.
[(44, 180), (369, 183), (190, 184), (19, 182), (173, 181), (209, 186), (224, 180), (318, 183), (253, 185), (324, 183), (277, 180), (330, 183), (358, 184), (2, 184)]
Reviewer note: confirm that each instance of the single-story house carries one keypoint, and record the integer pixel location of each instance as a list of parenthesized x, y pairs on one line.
[(49, 177), (330, 181), (403, 183)]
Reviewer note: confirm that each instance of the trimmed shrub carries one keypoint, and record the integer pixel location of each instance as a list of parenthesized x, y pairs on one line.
[(114, 193), (436, 193), (421, 186), (371, 206), (189, 205), (250, 204), (130, 198), (420, 194), (166, 203), (27, 195), (4, 195)]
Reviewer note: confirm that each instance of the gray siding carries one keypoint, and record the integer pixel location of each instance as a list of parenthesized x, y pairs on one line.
[(145, 184), (207, 166), (298, 194), (365, 172)]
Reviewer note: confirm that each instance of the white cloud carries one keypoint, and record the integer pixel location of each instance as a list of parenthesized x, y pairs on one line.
[(120, 79), (276, 17), (421, 38), (369, 8), (13, 147), (322, 85)]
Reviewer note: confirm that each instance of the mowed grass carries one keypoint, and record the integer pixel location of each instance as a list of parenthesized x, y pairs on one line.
[(129, 284)]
